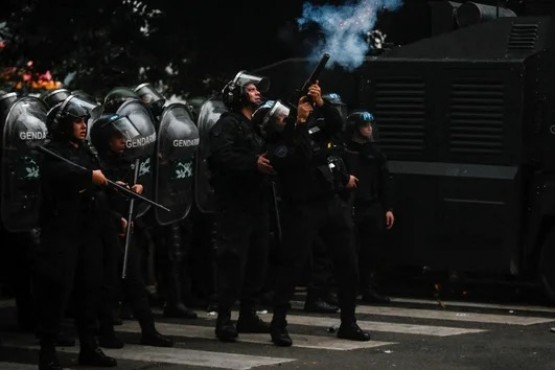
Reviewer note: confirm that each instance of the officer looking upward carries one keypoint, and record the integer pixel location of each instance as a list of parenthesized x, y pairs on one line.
[(240, 170), (308, 165)]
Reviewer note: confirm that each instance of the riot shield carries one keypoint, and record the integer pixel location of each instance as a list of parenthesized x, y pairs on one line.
[(6, 101), (23, 128), (51, 98), (178, 140), (144, 146), (209, 114)]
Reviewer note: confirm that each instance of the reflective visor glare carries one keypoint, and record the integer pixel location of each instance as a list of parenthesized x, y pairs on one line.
[(126, 128)]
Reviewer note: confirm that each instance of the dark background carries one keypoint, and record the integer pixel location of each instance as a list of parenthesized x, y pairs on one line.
[(205, 42)]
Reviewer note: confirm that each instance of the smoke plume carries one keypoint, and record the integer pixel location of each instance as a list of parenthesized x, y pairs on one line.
[(344, 29)]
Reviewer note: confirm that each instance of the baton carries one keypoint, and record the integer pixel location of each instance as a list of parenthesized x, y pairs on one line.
[(113, 184), (129, 222)]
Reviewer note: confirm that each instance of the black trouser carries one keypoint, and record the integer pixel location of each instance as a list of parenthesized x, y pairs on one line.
[(172, 262), (242, 239), (370, 225), (131, 289), (332, 219), (320, 275), (68, 259)]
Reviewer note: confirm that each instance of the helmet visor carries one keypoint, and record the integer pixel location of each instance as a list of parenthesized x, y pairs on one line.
[(242, 79)]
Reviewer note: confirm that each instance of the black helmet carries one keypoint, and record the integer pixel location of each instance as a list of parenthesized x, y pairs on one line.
[(60, 117), (265, 117), (358, 119), (233, 94), (116, 97), (105, 127)]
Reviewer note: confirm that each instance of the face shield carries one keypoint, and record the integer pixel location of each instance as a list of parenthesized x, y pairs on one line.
[(113, 126), (242, 79), (271, 116), (79, 106), (124, 128)]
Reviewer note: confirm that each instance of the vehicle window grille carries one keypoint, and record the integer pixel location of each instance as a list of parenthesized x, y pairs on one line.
[(476, 118), (400, 112), (523, 36)]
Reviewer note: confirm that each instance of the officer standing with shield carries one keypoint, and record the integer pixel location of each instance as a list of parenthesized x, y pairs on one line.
[(177, 141), (113, 136), (69, 256), (240, 179), (22, 126)]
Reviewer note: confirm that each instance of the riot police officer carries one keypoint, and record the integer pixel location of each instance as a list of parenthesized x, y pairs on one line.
[(69, 257), (372, 200), (307, 159), (239, 176), (109, 135)]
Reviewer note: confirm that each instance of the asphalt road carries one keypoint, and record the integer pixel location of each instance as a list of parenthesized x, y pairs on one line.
[(440, 328)]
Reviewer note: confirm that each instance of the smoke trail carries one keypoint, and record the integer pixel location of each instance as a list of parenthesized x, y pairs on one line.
[(344, 29)]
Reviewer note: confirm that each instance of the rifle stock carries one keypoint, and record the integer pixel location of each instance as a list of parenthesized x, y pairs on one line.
[(111, 183)]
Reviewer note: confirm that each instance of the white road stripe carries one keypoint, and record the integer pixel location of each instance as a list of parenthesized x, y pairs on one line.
[(372, 326), (173, 356), (16, 366), (380, 326), (521, 308), (330, 342), (442, 314), (452, 316)]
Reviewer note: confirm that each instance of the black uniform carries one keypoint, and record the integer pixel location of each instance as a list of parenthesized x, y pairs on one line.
[(310, 176), (370, 200), (242, 229), (133, 286), (70, 254)]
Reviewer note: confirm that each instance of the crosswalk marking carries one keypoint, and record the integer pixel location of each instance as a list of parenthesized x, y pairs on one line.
[(322, 338), (174, 356), (16, 366), (516, 308), (432, 330), (329, 342), (441, 314), (453, 316), (519, 308)]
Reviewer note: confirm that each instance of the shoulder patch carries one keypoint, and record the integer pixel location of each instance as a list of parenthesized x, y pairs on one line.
[(280, 151)]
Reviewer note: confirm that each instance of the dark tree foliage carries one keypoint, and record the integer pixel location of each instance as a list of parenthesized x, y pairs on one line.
[(187, 47)]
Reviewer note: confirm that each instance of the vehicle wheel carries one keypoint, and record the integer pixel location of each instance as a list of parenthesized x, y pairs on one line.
[(546, 265)]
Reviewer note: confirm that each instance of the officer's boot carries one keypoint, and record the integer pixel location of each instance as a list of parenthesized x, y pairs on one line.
[(249, 321), (278, 328), (48, 360), (91, 355), (150, 336), (368, 290), (174, 306), (225, 330), (315, 303)]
